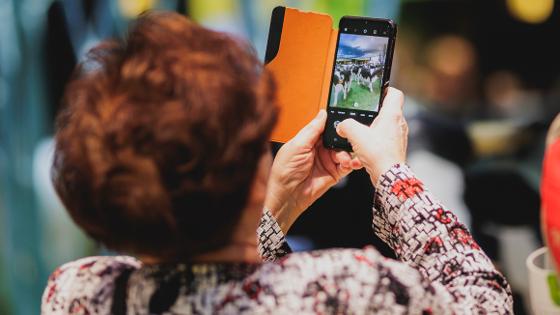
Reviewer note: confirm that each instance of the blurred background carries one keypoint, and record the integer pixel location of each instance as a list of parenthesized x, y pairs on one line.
[(482, 82)]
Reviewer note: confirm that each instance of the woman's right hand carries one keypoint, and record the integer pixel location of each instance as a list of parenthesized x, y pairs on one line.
[(383, 144)]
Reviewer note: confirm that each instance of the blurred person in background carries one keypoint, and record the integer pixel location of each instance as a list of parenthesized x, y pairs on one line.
[(444, 86), (486, 170), (508, 99), (450, 85), (551, 190), (162, 152), (542, 264)]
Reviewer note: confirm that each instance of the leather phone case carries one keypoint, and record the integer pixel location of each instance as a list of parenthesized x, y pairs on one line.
[(299, 52)]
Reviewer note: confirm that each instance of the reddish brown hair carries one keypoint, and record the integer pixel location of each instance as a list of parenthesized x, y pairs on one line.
[(160, 138)]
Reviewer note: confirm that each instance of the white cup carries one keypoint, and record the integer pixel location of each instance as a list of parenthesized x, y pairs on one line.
[(544, 286)]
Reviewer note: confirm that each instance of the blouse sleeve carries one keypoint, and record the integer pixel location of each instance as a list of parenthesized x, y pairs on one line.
[(427, 236), (271, 240)]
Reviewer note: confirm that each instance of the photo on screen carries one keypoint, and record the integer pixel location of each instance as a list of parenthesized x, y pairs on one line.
[(358, 72)]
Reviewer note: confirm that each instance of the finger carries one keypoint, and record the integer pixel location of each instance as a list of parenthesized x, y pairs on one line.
[(313, 130), (351, 130), (344, 162), (405, 135), (392, 103), (356, 164), (342, 158), (327, 163), (343, 171)]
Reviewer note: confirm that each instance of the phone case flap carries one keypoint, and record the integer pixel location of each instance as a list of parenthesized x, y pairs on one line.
[(301, 63)]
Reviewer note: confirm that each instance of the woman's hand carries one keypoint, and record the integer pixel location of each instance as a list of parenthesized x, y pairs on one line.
[(303, 170), (383, 144)]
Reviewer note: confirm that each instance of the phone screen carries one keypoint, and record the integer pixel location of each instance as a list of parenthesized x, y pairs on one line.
[(359, 75)]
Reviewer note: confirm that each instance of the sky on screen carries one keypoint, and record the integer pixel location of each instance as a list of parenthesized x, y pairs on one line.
[(359, 46)]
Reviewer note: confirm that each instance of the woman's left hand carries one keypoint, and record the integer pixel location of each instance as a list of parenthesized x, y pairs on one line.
[(303, 170)]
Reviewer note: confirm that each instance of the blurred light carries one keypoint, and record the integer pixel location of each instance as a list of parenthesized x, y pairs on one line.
[(132, 8), (531, 11)]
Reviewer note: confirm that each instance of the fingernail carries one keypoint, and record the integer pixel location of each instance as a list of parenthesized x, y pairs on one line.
[(338, 131)]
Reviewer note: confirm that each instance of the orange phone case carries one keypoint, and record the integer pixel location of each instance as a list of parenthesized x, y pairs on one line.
[(300, 53)]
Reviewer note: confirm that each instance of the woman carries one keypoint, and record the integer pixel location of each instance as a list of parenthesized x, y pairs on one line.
[(162, 153)]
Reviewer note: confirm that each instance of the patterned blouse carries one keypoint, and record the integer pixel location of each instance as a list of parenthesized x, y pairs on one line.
[(441, 271)]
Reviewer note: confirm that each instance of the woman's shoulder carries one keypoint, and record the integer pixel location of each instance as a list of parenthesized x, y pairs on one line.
[(333, 262), (349, 274), (85, 285), (341, 256)]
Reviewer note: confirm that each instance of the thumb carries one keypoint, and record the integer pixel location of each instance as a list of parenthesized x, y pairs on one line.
[(392, 103), (312, 131), (351, 130)]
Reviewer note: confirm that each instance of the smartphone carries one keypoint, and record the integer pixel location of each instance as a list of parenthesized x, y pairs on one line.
[(360, 74)]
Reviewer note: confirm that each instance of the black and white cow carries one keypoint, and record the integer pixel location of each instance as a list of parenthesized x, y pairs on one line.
[(341, 83), (346, 79), (369, 74), (356, 72)]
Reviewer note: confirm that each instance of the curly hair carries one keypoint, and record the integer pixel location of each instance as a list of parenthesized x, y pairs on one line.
[(160, 137)]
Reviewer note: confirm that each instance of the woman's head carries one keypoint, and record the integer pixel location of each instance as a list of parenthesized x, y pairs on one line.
[(160, 137)]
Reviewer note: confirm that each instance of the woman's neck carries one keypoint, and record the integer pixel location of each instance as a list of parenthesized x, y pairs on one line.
[(238, 252), (243, 244), (234, 252)]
